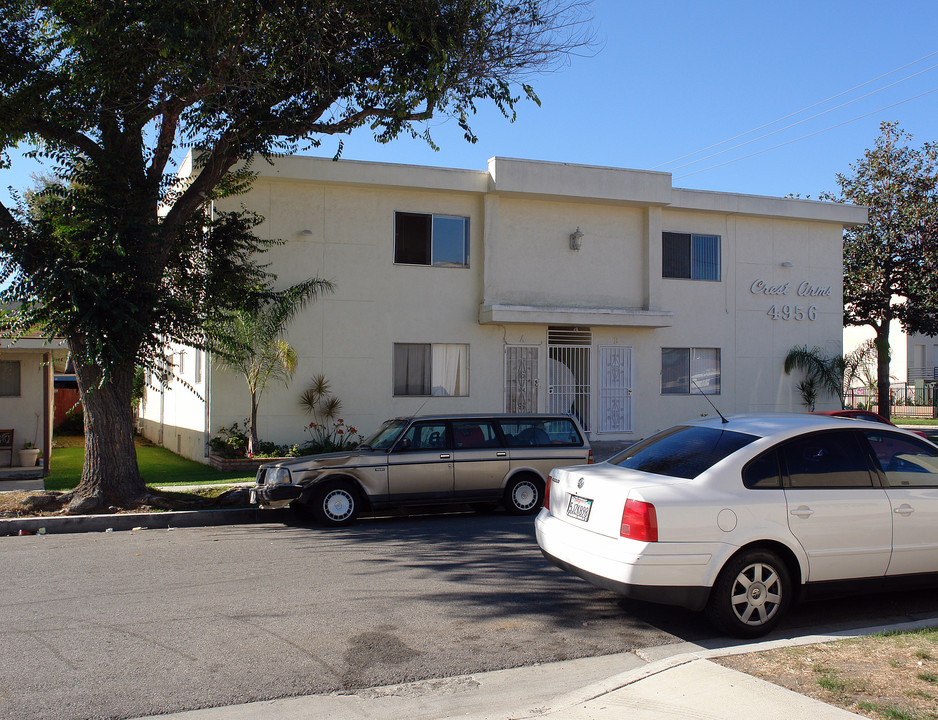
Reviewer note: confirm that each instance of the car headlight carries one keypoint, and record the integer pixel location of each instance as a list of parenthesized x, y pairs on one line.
[(278, 476)]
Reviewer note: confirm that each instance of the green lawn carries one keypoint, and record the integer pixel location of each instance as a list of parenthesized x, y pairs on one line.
[(157, 465)]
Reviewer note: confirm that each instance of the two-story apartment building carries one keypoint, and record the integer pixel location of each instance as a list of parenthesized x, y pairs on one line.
[(529, 286)]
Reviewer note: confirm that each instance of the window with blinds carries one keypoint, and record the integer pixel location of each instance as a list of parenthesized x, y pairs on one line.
[(690, 256)]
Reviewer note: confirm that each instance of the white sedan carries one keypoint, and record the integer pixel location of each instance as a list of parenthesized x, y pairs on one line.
[(744, 516)]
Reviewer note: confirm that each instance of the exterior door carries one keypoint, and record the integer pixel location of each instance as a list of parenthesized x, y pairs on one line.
[(521, 378), (568, 372), (842, 520), (421, 465), (615, 389)]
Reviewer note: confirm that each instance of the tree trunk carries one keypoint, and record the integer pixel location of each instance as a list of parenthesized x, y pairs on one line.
[(882, 369), (110, 476), (252, 436)]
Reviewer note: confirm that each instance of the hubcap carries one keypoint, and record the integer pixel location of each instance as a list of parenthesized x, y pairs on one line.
[(525, 495), (338, 505), (756, 594)]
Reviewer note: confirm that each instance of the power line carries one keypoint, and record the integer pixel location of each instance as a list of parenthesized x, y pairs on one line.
[(804, 137), (800, 122), (804, 109)]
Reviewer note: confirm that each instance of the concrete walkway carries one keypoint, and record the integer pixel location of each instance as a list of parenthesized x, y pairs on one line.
[(667, 682)]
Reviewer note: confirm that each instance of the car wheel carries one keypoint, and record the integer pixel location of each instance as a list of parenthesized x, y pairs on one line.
[(524, 495), (751, 594), (335, 504)]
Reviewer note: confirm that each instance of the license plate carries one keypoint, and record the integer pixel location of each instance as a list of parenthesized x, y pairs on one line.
[(253, 497), (579, 508)]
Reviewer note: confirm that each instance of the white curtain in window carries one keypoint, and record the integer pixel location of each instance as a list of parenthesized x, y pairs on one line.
[(450, 369)]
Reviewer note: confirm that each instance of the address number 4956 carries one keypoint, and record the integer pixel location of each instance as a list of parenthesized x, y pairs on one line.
[(792, 312)]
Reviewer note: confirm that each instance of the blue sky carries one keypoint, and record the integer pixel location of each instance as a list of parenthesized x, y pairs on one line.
[(672, 77)]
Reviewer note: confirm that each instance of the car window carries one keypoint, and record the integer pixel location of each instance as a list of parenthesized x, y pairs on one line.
[(475, 434), (682, 451), (423, 436), (826, 460), (905, 461), (519, 432), (763, 471)]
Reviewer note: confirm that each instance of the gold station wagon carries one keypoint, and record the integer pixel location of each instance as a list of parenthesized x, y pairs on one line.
[(427, 460)]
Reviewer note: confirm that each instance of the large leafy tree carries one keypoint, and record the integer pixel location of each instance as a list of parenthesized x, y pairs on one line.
[(109, 91), (889, 264)]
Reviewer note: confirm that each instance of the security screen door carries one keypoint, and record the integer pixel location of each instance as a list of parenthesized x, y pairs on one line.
[(615, 389), (521, 363)]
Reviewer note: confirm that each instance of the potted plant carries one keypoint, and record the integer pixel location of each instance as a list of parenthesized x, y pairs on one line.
[(29, 454)]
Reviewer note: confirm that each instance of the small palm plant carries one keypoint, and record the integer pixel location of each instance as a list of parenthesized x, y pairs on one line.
[(327, 430), (822, 373)]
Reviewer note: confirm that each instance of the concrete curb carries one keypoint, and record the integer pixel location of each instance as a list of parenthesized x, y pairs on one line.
[(128, 521)]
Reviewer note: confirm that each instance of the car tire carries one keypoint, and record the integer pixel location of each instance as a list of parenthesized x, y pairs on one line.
[(751, 595), (524, 495), (335, 503)]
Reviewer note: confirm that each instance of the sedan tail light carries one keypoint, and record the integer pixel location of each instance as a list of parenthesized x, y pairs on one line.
[(550, 481), (639, 521)]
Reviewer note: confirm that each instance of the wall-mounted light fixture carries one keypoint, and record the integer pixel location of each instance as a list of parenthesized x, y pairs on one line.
[(787, 264), (576, 239)]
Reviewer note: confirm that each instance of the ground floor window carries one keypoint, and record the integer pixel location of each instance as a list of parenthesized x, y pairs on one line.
[(9, 378), (690, 371), (440, 369)]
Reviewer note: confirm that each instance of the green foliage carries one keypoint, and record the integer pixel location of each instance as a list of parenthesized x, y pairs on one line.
[(328, 432), (822, 373), (232, 443), (889, 263)]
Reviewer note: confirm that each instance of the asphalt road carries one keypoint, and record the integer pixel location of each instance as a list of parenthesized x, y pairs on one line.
[(116, 625)]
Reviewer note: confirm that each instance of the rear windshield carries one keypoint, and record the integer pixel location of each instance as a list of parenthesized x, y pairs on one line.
[(682, 451)]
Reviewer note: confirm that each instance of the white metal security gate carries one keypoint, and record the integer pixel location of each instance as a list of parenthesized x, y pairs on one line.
[(615, 389), (568, 372), (521, 362)]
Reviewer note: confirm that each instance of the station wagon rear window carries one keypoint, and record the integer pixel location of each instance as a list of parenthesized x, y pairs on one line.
[(682, 451), (540, 433)]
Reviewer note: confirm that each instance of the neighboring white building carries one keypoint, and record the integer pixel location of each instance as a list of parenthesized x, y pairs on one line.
[(531, 286)]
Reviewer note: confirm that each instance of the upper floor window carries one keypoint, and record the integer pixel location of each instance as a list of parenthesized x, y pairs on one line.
[(689, 256), (439, 240)]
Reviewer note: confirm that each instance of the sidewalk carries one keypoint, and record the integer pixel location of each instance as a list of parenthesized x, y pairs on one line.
[(666, 682)]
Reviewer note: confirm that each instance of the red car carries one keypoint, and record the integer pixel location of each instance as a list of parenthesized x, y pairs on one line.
[(865, 415)]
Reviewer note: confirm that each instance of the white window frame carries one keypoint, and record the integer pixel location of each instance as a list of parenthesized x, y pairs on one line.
[(447, 370), (696, 367)]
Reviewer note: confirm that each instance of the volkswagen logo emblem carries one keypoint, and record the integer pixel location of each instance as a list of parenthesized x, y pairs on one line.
[(580, 484)]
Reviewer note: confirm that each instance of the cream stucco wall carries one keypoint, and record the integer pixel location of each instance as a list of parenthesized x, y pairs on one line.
[(337, 221)]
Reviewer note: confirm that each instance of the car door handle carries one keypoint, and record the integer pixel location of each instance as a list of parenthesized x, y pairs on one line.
[(501, 454), (444, 456), (904, 509), (802, 512)]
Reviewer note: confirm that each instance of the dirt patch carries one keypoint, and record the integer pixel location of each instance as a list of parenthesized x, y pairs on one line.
[(50, 503), (892, 676)]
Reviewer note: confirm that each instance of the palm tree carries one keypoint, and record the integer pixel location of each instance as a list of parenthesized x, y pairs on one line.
[(253, 343), (823, 373)]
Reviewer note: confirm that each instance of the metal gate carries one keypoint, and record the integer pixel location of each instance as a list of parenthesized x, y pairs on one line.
[(568, 372), (615, 389), (521, 362)]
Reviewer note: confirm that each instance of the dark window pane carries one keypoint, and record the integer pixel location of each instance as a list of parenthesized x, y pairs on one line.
[(826, 460), (682, 451), (762, 472), (675, 255), (450, 241), (412, 238), (675, 371), (411, 369), (9, 378), (423, 436)]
